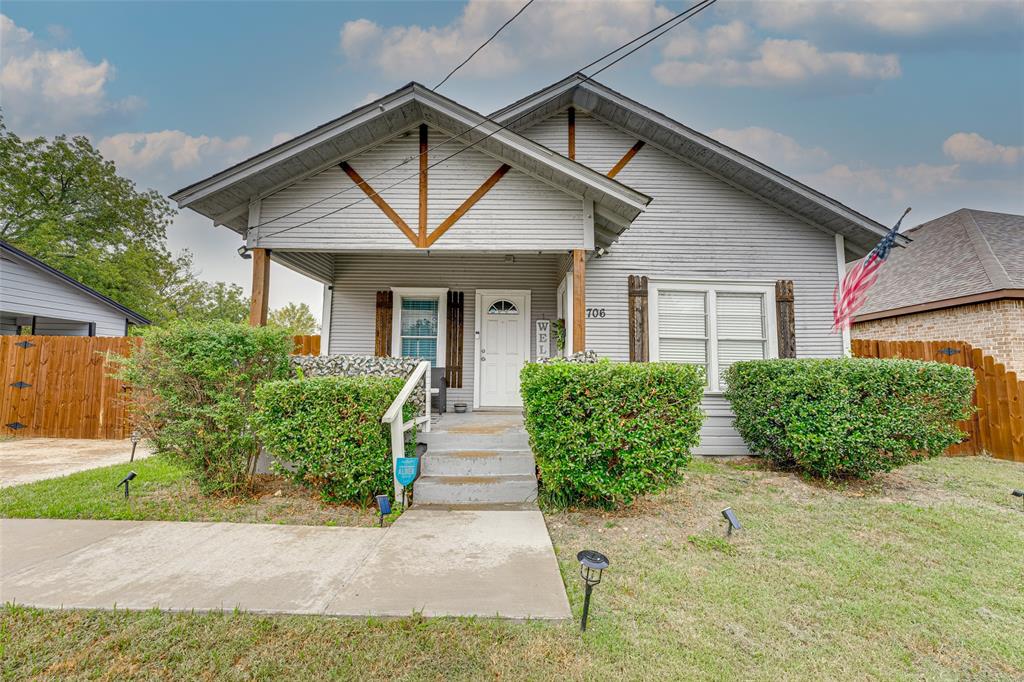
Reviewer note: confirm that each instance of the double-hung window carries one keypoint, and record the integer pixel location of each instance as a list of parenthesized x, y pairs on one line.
[(712, 325), (417, 329)]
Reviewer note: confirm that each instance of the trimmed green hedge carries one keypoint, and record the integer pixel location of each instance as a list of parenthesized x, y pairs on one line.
[(848, 417), (193, 390), (329, 430), (604, 433)]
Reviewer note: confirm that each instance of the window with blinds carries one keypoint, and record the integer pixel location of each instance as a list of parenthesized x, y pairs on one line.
[(712, 326), (419, 328)]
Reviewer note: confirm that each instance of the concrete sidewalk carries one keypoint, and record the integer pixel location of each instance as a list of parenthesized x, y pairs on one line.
[(462, 563)]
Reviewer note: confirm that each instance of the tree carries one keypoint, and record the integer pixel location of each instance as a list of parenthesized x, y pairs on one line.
[(296, 318), (63, 203)]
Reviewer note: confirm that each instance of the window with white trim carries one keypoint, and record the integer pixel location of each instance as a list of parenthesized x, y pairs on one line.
[(417, 331), (712, 325)]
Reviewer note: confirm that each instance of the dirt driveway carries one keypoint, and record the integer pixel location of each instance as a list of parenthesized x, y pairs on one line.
[(32, 459)]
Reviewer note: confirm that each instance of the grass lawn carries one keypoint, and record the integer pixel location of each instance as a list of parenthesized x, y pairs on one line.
[(916, 575), (164, 492)]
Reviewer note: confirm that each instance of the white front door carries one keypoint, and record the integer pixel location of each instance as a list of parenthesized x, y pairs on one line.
[(504, 345)]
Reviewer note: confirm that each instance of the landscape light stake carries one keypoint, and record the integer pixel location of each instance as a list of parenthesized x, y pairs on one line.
[(384, 505), (136, 437), (592, 565), (126, 481), (734, 523), (1020, 494)]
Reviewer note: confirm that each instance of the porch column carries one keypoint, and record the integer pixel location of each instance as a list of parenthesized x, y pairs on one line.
[(579, 300), (260, 287)]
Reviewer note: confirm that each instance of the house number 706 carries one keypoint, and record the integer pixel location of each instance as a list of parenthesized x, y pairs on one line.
[(595, 312)]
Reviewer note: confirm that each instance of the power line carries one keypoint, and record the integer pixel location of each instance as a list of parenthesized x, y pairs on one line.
[(485, 43), (683, 16), (694, 9)]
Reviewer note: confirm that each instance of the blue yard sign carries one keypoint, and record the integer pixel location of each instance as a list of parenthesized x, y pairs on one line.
[(406, 469)]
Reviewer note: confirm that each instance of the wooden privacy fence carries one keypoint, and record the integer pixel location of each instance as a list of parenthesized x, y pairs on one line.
[(60, 386), (307, 345), (997, 428)]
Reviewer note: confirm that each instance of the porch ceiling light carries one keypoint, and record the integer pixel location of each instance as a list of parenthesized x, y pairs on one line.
[(734, 523), (243, 251), (592, 565)]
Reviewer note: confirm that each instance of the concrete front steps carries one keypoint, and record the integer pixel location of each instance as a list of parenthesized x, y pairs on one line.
[(476, 477), (477, 461)]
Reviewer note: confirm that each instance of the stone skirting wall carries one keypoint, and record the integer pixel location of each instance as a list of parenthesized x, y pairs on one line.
[(360, 365), (996, 327)]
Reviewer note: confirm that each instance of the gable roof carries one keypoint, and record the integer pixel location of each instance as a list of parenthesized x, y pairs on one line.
[(860, 232), (224, 196), (12, 252), (967, 253)]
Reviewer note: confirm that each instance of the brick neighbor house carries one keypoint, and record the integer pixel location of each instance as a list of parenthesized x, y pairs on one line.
[(961, 278)]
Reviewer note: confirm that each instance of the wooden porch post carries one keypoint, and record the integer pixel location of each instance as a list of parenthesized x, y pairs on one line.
[(260, 287), (579, 300)]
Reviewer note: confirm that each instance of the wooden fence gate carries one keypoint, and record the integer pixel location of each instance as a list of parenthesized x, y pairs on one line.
[(997, 427), (60, 386)]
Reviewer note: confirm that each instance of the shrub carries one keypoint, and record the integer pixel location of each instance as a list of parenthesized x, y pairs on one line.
[(848, 417), (606, 432), (193, 390), (329, 430)]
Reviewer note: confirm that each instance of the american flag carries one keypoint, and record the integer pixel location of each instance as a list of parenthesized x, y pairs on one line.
[(850, 294)]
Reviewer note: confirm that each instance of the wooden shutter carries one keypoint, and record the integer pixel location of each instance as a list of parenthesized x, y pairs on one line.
[(638, 325), (382, 346), (453, 345), (785, 318)]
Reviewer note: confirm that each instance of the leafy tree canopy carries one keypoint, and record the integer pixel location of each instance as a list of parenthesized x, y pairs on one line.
[(63, 203), (297, 318)]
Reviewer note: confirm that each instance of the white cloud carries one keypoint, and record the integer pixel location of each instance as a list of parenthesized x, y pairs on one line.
[(141, 151), (901, 183), (894, 17), (544, 32), (52, 90), (973, 148), (779, 62), (772, 147)]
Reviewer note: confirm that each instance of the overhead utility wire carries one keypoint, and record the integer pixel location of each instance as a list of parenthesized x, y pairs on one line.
[(485, 43), (696, 8), (689, 13), (425, 151)]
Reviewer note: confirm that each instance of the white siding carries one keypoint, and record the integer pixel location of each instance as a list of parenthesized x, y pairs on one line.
[(518, 213), (28, 291), (697, 227), (359, 277)]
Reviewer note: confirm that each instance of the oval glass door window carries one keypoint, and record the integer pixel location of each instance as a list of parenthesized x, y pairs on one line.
[(503, 307)]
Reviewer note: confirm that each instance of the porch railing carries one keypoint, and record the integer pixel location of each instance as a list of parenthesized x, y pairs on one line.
[(393, 417)]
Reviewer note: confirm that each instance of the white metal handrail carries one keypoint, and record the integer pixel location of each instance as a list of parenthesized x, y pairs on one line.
[(393, 416)]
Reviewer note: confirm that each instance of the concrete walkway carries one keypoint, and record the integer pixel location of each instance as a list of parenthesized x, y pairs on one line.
[(24, 460), (440, 563)]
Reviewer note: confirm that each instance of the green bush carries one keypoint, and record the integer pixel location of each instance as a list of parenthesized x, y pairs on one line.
[(192, 394), (606, 432), (329, 430), (848, 417)]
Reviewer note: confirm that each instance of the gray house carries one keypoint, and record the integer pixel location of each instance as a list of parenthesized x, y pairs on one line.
[(442, 234), (42, 300)]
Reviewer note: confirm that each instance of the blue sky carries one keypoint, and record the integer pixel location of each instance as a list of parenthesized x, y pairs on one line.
[(882, 104)]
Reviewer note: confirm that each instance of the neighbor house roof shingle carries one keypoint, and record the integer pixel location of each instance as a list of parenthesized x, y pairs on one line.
[(964, 253)]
